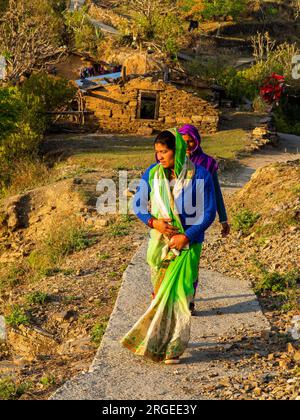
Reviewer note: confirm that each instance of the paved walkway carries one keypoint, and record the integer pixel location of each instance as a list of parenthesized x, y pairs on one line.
[(225, 306)]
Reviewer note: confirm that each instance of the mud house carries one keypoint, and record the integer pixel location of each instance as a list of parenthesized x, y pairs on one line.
[(146, 104)]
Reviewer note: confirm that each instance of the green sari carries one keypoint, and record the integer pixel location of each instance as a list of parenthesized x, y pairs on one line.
[(163, 332)]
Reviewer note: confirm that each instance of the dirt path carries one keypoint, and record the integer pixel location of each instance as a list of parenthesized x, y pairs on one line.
[(288, 149)]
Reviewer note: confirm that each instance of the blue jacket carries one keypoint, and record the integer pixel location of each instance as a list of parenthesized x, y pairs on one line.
[(195, 232)]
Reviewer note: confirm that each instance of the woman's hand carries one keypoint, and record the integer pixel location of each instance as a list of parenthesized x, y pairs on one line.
[(179, 242), (162, 225), (225, 229)]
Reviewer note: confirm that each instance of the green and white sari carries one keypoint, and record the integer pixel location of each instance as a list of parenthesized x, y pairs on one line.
[(163, 332)]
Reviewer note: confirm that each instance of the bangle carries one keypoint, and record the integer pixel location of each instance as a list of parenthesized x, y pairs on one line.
[(150, 222)]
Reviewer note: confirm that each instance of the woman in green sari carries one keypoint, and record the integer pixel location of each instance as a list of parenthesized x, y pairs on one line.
[(176, 189)]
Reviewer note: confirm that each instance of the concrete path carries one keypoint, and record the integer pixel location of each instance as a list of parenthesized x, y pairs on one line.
[(224, 306)]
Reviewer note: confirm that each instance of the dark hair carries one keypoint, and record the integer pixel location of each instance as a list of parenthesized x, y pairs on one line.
[(166, 138)]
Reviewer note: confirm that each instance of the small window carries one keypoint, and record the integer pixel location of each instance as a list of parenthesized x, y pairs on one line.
[(148, 106)]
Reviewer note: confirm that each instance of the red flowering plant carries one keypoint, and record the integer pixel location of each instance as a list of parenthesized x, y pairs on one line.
[(273, 89)]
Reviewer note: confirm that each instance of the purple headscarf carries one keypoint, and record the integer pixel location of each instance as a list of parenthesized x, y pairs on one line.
[(198, 157)]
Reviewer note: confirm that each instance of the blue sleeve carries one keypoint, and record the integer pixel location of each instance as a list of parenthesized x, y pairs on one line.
[(210, 211), (219, 200), (142, 197)]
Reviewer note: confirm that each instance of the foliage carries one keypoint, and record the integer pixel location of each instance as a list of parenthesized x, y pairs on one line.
[(9, 390), (52, 92), (37, 298), (155, 24), (64, 238), (17, 317), (98, 332), (223, 8), (284, 122), (30, 37), (48, 381), (244, 220), (22, 119), (3, 6), (191, 9), (83, 35), (276, 282), (247, 83), (11, 275)]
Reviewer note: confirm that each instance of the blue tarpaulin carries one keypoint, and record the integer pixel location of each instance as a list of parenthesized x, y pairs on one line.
[(95, 81)]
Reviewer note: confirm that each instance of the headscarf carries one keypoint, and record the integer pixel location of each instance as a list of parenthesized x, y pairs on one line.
[(198, 157), (180, 151)]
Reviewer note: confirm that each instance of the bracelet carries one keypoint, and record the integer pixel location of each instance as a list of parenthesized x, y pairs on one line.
[(150, 222)]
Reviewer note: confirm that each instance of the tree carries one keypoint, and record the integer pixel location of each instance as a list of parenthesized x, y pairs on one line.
[(221, 9), (156, 24), (30, 37), (83, 35), (150, 8)]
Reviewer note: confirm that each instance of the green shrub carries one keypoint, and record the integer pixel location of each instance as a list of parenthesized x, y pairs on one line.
[(83, 35), (37, 298), (17, 317), (22, 119), (276, 282), (287, 118), (64, 238), (9, 390), (98, 332), (52, 92), (12, 275), (244, 220), (48, 381)]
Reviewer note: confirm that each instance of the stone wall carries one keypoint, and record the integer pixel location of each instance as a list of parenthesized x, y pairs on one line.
[(116, 108)]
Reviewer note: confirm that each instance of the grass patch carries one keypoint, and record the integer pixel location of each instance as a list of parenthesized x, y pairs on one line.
[(48, 381), (276, 282), (17, 317), (103, 257), (28, 174), (64, 238), (244, 220), (226, 144), (37, 298), (12, 275), (122, 226), (9, 390), (98, 331)]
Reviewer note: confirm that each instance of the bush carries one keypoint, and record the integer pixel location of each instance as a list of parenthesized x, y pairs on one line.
[(17, 317), (9, 390), (12, 275), (287, 117), (22, 119), (63, 239), (83, 35), (52, 92), (276, 282), (37, 298), (244, 220)]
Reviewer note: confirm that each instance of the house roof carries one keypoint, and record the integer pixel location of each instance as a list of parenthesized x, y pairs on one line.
[(95, 82)]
